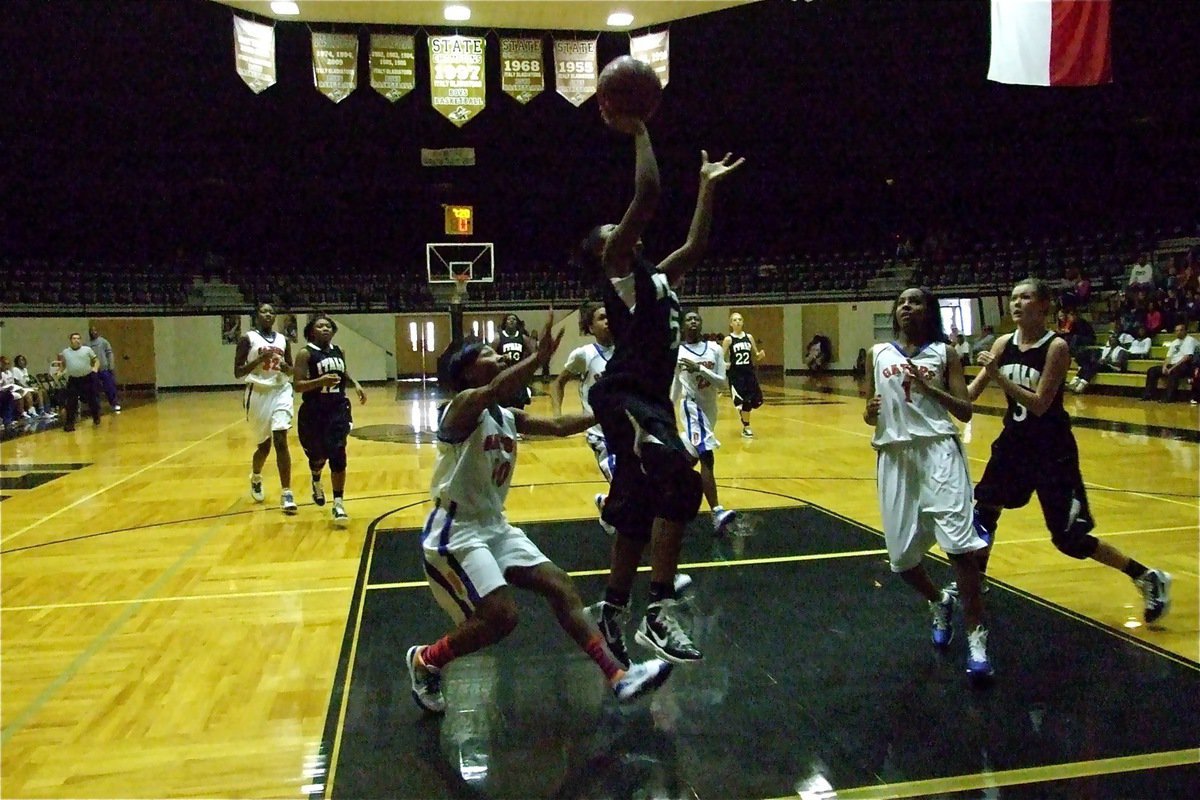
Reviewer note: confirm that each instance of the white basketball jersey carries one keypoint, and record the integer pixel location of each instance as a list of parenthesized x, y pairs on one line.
[(694, 386), (588, 362), (475, 474), (267, 373), (905, 415)]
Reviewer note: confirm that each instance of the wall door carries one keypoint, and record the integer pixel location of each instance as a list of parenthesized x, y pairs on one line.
[(766, 324), (420, 339), (132, 342)]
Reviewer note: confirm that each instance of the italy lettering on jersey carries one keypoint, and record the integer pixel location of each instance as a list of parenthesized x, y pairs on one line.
[(741, 352), (476, 472), (268, 372), (1025, 368), (323, 362), (906, 414), (589, 363), (695, 386), (644, 316)]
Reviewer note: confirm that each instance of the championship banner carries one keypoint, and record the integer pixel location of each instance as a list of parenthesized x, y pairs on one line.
[(335, 64), (456, 76), (522, 73), (393, 62), (575, 69), (655, 50), (254, 53)]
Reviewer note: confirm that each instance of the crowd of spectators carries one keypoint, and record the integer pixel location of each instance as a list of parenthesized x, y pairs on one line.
[(1160, 296)]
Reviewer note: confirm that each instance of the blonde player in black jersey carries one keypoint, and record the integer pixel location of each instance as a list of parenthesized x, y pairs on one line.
[(914, 385), (741, 354), (1030, 366)]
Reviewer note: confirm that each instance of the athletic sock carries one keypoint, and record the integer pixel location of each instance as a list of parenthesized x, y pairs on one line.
[(436, 655), (1134, 569), (661, 591), (615, 598)]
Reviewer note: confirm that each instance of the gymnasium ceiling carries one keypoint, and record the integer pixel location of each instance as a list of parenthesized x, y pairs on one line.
[(583, 15)]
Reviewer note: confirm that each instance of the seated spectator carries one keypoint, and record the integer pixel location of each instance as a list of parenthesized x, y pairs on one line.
[(35, 403), (1078, 289), (1154, 318), (1114, 357), (818, 353), (1192, 308), (1078, 332), (960, 345), (984, 342), (20, 395), (1140, 343), (1142, 273), (1177, 366)]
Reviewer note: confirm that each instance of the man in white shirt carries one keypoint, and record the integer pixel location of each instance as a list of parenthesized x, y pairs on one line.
[(1177, 366), (1139, 345), (1142, 273)]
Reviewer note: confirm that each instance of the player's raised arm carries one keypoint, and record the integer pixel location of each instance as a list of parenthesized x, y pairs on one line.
[(617, 254), (692, 250)]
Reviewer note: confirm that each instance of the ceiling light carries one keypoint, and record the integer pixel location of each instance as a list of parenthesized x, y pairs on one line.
[(619, 19), (285, 8), (457, 13)]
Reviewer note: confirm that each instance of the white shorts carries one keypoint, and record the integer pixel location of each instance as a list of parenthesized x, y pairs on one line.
[(604, 460), (465, 561), (269, 409), (925, 496), (697, 424)]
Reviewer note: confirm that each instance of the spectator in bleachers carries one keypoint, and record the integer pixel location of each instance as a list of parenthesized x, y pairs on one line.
[(34, 402), (1154, 318), (984, 342), (1141, 274), (1077, 291), (1141, 343), (1114, 357), (1078, 332), (1177, 366), (960, 345), (1192, 308)]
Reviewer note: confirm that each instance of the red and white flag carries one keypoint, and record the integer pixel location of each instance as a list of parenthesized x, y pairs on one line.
[(1051, 42)]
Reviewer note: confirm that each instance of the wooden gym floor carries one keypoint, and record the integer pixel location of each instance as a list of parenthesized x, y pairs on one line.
[(164, 636)]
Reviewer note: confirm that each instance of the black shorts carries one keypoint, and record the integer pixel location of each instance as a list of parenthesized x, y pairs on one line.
[(631, 422), (743, 386), (1017, 469), (324, 424)]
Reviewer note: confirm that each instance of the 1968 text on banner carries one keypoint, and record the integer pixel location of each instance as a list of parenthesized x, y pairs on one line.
[(522, 71)]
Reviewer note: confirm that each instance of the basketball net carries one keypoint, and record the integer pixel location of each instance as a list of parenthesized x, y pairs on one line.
[(460, 289)]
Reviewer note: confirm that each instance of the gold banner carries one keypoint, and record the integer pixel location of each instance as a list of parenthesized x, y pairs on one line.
[(456, 76), (575, 69), (393, 61), (254, 53), (335, 64), (655, 50), (522, 71)]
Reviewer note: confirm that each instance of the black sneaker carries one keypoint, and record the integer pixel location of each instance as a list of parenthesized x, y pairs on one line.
[(661, 632), (1155, 587), (611, 621)]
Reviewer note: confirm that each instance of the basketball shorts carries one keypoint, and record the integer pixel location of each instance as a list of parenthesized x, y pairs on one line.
[(268, 409), (465, 560), (643, 441), (925, 497), (744, 388), (323, 425), (604, 460), (698, 423), (1012, 476)]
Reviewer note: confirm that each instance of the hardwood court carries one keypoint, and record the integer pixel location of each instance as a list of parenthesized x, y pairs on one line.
[(165, 636)]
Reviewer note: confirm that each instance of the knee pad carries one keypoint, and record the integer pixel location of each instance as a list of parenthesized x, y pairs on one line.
[(1076, 543), (679, 495), (316, 465), (337, 460)]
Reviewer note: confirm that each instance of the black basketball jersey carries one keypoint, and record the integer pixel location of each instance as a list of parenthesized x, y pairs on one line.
[(646, 337), (512, 347), (322, 362), (741, 352), (1025, 369)]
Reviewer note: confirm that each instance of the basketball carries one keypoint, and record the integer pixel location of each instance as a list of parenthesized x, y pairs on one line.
[(628, 87)]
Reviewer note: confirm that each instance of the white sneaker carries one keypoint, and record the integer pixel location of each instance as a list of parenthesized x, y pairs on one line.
[(340, 517), (288, 503), (749, 434), (116, 409), (426, 684), (640, 679), (682, 582), (722, 519), (256, 489)]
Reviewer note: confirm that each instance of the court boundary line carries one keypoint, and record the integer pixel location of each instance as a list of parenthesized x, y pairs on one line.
[(114, 484), (1020, 776)]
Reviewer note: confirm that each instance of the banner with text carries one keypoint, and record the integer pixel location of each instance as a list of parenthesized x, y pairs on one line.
[(393, 61), (254, 53), (522, 73), (655, 50), (448, 157), (335, 64), (575, 69), (456, 76)]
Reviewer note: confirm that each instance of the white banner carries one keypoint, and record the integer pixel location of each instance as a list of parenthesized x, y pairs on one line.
[(575, 69), (655, 50), (335, 64), (456, 76), (254, 53), (522, 72), (393, 65)]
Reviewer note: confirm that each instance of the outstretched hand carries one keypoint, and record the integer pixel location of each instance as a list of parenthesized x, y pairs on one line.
[(713, 171), (547, 341)]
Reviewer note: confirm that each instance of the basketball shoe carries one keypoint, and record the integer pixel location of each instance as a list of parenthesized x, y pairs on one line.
[(426, 683), (749, 434), (1155, 586), (979, 668), (318, 493), (609, 529), (611, 622), (288, 503), (640, 679), (660, 631), (722, 518), (256, 489), (942, 611), (340, 517)]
